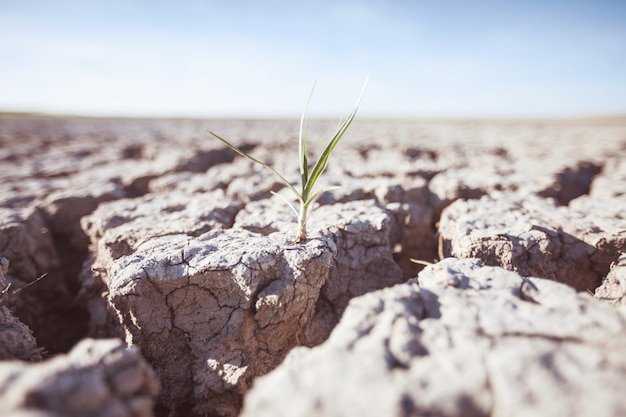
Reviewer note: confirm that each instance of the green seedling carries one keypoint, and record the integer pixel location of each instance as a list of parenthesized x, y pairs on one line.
[(308, 195)]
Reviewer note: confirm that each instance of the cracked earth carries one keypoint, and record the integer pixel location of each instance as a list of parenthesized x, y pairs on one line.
[(155, 237)]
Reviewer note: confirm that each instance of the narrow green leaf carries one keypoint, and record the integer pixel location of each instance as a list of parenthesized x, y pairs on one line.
[(307, 197), (302, 149), (263, 164), (322, 162)]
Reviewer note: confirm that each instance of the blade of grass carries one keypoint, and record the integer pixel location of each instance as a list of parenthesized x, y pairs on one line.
[(307, 197), (263, 164), (302, 149), (322, 162)]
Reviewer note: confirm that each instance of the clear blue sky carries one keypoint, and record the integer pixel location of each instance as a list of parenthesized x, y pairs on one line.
[(482, 58)]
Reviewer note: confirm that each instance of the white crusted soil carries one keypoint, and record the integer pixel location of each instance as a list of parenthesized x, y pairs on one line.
[(97, 378), (151, 231), (463, 339)]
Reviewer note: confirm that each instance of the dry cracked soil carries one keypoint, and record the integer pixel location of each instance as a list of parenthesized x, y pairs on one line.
[(147, 270)]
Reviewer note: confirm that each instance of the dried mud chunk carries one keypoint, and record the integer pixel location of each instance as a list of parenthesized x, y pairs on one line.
[(361, 231), (212, 312), (464, 342), (119, 228), (98, 378), (535, 237), (613, 288), (16, 339), (26, 242)]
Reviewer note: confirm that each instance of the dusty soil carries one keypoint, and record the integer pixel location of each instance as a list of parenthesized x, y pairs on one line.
[(151, 231)]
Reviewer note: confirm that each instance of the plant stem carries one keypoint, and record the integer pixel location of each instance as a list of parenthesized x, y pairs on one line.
[(302, 218)]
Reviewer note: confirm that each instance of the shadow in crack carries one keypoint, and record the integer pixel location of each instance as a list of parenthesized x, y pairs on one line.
[(572, 182)]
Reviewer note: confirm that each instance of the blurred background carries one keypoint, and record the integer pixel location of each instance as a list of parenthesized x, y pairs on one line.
[(427, 59)]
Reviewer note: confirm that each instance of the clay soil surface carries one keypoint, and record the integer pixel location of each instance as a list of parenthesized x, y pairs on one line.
[(152, 232)]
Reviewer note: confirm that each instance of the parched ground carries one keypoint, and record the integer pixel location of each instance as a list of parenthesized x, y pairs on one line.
[(153, 232)]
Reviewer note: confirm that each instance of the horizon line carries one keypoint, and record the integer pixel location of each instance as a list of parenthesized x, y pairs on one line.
[(589, 117)]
